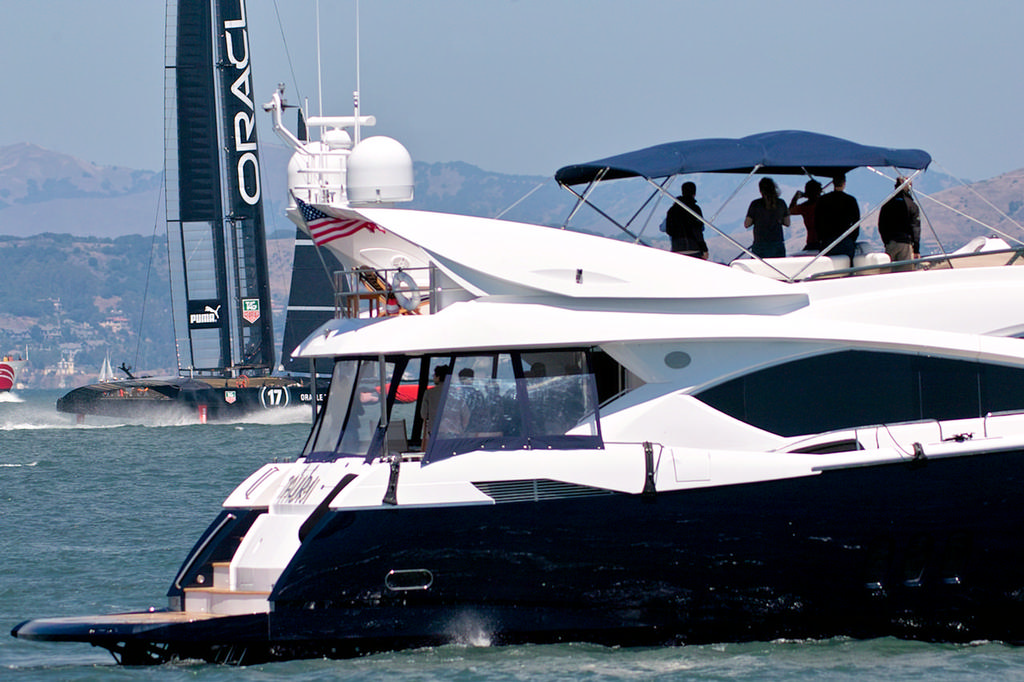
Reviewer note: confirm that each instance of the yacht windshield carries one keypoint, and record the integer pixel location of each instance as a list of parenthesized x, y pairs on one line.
[(448, 405), (509, 401), (349, 424)]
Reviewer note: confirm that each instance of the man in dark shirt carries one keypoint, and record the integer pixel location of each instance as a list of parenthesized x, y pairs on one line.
[(899, 226), (835, 213), (685, 229)]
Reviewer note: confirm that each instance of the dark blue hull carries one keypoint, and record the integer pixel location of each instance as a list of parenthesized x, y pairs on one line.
[(929, 550)]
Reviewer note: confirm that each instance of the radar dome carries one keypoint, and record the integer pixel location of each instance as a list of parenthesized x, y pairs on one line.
[(337, 139), (379, 171)]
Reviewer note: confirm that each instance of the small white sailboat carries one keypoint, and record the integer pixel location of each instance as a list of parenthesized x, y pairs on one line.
[(106, 371)]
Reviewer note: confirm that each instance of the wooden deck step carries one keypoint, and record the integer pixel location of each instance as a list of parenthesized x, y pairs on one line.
[(222, 601)]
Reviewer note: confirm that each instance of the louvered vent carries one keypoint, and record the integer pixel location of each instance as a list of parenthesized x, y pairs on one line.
[(536, 490)]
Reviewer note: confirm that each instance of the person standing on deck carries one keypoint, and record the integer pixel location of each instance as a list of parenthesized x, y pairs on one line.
[(431, 403), (768, 215), (805, 209), (835, 213), (899, 226), (685, 229)]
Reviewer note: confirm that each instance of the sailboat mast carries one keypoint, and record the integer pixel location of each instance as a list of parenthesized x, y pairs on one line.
[(193, 195), (215, 229), (246, 257)]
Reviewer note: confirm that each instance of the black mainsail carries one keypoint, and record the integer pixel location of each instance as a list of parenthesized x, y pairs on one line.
[(311, 298), (215, 230), (220, 292)]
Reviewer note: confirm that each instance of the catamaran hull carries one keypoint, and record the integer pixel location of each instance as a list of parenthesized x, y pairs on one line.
[(162, 401), (929, 550)]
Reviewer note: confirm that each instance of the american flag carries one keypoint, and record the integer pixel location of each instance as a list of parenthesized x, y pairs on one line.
[(326, 228)]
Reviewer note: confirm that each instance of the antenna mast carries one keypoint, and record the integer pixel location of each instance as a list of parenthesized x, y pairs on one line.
[(319, 73), (355, 95)]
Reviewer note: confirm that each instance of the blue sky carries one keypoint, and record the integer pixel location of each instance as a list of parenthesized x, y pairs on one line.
[(526, 86)]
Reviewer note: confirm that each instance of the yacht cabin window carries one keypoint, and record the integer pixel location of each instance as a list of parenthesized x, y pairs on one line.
[(488, 401), (854, 388)]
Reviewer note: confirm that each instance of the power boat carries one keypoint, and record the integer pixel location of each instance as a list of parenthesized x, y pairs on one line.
[(11, 365), (539, 435)]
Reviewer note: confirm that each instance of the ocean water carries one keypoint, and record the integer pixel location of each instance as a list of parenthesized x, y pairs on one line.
[(96, 518)]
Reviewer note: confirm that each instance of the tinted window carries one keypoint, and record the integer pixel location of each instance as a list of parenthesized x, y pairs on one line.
[(857, 388)]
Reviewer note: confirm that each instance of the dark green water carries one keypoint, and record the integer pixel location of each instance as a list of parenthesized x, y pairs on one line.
[(97, 519)]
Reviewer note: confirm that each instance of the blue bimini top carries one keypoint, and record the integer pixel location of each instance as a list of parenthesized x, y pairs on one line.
[(783, 152)]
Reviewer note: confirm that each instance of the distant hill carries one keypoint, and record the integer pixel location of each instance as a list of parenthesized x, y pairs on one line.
[(45, 191)]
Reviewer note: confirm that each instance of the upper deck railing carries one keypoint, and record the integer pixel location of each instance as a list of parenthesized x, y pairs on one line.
[(369, 292)]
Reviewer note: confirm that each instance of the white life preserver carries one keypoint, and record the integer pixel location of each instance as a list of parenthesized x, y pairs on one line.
[(405, 290)]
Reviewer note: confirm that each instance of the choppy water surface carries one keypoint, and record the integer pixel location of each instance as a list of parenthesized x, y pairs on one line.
[(97, 517)]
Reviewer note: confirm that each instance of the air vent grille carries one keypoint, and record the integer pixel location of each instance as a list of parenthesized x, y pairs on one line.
[(535, 490)]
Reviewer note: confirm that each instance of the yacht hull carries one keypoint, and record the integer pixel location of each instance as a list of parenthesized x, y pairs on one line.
[(922, 550)]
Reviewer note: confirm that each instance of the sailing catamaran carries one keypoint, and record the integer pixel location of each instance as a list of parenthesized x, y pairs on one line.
[(215, 232)]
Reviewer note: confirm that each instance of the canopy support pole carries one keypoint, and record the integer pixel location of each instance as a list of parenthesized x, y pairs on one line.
[(972, 218), (736, 191), (708, 223), (644, 205), (583, 200), (851, 228)]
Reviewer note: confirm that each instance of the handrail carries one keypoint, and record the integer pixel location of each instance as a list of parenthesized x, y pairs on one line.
[(1014, 256), (228, 518), (376, 286)]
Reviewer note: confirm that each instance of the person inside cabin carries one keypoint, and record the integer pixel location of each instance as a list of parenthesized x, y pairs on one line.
[(430, 404), (685, 229), (835, 213), (768, 215), (476, 411), (899, 226), (805, 209)]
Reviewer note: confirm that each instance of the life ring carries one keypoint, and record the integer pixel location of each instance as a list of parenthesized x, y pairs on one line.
[(406, 293), (242, 381)]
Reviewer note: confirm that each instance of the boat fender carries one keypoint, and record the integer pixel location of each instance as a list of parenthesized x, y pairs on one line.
[(406, 293)]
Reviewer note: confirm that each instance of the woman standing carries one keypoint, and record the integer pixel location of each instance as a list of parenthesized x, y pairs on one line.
[(767, 216)]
